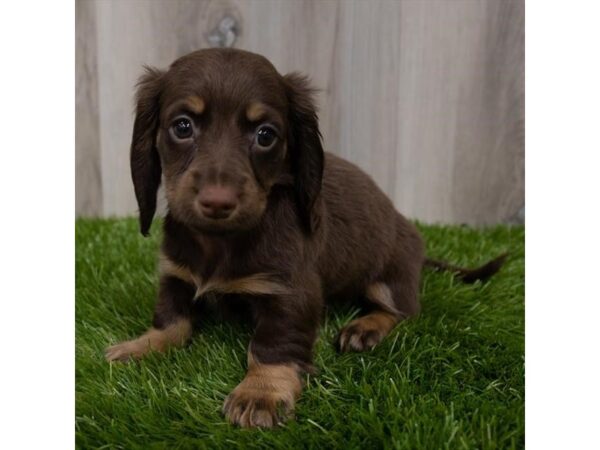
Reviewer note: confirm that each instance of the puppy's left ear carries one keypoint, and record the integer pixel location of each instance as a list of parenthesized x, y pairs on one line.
[(144, 159), (306, 150)]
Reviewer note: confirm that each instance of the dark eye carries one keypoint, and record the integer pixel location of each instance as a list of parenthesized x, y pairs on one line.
[(182, 128), (265, 137)]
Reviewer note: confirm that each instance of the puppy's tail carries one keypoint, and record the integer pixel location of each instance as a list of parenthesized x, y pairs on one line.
[(481, 273)]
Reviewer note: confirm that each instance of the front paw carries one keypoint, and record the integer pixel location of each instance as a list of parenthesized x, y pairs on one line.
[(249, 409), (265, 398), (126, 351), (175, 334)]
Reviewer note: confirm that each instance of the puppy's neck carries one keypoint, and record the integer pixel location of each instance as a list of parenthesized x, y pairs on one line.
[(202, 250)]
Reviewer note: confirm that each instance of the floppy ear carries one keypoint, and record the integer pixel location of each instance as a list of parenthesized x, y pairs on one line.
[(145, 163), (306, 151)]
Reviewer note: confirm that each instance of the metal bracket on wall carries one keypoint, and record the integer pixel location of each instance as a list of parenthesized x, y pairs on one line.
[(225, 34)]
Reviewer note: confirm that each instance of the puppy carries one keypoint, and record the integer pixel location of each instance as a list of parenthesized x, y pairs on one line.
[(261, 219)]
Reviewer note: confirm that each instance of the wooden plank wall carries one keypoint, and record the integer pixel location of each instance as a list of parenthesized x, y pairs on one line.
[(426, 95)]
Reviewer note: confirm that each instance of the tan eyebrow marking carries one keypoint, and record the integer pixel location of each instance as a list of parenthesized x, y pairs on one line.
[(195, 104), (255, 111)]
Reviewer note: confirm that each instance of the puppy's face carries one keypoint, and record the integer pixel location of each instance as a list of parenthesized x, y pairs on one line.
[(223, 127), (222, 141)]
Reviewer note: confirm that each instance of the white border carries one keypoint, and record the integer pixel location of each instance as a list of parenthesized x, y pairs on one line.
[(37, 231), (37, 224), (563, 226)]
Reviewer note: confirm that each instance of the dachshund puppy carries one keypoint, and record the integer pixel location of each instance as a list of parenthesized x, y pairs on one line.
[(261, 219)]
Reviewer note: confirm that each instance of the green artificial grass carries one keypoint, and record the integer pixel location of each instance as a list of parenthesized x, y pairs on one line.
[(452, 378)]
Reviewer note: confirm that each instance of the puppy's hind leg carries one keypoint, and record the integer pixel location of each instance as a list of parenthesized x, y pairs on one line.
[(391, 299), (369, 330)]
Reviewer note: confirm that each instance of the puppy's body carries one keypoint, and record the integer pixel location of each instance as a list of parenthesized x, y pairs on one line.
[(360, 241), (365, 240), (261, 220)]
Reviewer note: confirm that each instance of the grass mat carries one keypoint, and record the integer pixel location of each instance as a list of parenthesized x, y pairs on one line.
[(452, 378)]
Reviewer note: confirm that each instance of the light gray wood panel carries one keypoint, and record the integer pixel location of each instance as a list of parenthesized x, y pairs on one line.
[(88, 181), (489, 173), (362, 100), (426, 96), (132, 34)]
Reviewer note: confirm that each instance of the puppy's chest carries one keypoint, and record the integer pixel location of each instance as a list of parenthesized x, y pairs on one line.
[(213, 277)]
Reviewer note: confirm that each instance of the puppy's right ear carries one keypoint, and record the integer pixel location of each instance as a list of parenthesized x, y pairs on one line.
[(145, 162)]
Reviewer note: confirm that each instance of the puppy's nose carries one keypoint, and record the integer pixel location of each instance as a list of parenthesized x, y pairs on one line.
[(217, 202)]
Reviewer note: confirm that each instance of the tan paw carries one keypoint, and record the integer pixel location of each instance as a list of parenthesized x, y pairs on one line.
[(249, 409), (174, 335), (365, 332), (128, 350), (265, 398)]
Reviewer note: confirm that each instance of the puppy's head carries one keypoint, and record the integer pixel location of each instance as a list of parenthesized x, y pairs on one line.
[(223, 127)]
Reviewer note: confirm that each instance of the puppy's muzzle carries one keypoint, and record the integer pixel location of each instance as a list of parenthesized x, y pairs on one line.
[(217, 202)]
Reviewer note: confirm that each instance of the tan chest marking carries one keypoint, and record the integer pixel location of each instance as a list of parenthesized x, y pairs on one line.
[(255, 284)]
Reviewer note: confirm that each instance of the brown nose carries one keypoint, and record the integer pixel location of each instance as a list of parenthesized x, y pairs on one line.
[(217, 202)]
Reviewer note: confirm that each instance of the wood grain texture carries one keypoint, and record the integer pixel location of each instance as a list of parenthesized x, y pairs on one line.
[(426, 96), (88, 181)]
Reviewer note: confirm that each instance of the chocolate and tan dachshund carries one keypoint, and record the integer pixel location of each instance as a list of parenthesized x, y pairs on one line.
[(262, 221)]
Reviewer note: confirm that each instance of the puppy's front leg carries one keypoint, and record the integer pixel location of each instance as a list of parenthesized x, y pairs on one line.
[(280, 351), (172, 325)]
